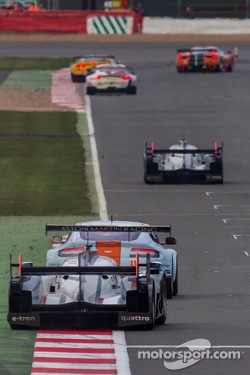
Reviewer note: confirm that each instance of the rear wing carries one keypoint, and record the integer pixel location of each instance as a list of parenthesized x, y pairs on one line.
[(151, 150), (93, 56), (183, 50), (157, 229), (27, 269), (108, 228)]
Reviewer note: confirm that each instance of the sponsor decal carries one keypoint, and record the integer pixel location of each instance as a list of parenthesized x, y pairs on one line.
[(133, 319), (24, 319), (107, 228)]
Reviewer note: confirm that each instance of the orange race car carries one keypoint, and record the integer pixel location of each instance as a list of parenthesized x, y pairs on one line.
[(205, 58)]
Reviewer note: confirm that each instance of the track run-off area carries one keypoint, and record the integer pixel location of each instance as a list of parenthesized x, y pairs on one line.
[(211, 222)]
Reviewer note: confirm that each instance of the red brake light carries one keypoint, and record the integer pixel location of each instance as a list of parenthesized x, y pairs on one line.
[(83, 65), (126, 78), (215, 148), (94, 62), (152, 148), (213, 55), (97, 78), (180, 56)]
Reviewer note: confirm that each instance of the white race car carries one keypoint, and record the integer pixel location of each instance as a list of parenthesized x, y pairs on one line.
[(111, 78), (183, 163), (119, 240)]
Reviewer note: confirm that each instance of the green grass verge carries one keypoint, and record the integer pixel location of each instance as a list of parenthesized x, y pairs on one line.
[(42, 165), (33, 63)]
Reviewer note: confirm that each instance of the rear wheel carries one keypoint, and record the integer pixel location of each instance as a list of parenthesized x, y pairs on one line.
[(90, 91), (175, 283), (131, 90), (170, 287)]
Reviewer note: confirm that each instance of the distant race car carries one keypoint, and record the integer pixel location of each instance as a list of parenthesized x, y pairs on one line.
[(83, 65), (111, 78), (205, 58), (183, 163), (87, 291), (119, 240)]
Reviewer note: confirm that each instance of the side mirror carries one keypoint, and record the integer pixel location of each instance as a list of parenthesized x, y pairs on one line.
[(56, 239), (171, 241)]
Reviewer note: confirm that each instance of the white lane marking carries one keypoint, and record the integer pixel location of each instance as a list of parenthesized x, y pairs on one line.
[(96, 166), (238, 219), (246, 253), (208, 193), (216, 206), (235, 236)]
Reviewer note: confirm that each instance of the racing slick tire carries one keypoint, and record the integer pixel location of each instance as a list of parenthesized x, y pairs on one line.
[(77, 78), (170, 288), (146, 179), (175, 283), (161, 320), (152, 312), (90, 91), (131, 90), (219, 67)]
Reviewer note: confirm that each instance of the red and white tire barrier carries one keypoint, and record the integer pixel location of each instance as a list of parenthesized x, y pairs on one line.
[(74, 352), (66, 93)]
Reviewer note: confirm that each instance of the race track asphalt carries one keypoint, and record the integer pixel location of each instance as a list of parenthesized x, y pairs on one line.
[(211, 222)]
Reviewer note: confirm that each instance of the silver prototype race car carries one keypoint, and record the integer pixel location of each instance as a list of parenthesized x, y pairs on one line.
[(87, 291), (183, 163), (111, 78)]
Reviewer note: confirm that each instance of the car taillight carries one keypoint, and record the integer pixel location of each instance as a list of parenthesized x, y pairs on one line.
[(140, 250), (97, 78), (180, 56), (152, 148), (215, 148), (71, 252), (213, 55), (94, 62), (126, 78), (81, 65)]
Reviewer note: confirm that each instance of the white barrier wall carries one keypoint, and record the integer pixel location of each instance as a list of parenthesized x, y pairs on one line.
[(157, 25)]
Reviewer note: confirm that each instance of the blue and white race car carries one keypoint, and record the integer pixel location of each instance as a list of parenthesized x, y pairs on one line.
[(119, 240)]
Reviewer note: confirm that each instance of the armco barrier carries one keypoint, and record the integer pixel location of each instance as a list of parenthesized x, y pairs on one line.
[(102, 22)]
